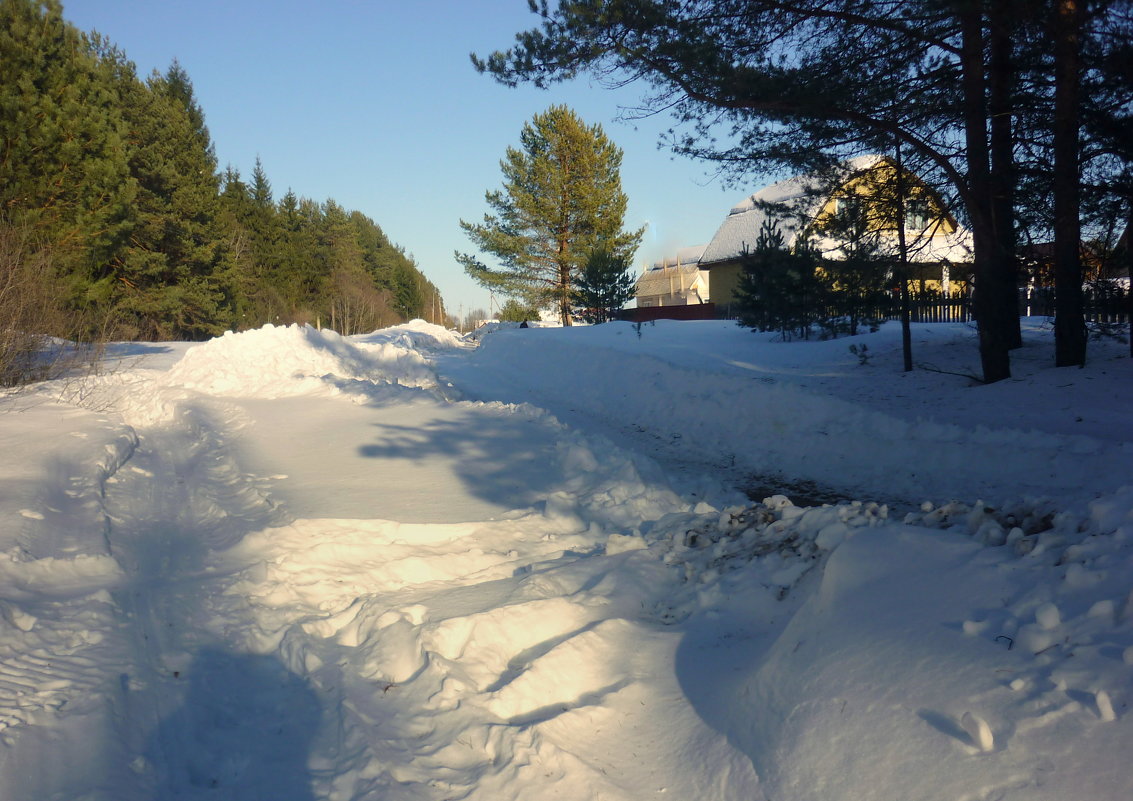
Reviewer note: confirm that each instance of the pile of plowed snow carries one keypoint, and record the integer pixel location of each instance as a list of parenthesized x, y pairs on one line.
[(276, 362), (415, 335)]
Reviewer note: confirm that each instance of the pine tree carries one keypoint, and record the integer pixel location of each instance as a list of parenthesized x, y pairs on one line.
[(604, 287), (63, 163), (169, 278), (116, 178), (561, 199), (779, 290), (855, 276)]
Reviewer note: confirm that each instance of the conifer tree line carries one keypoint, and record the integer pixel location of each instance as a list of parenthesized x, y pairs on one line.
[(110, 194), (1018, 111)]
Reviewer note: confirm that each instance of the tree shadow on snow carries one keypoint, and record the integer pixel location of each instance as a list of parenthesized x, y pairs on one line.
[(511, 462), (242, 733)]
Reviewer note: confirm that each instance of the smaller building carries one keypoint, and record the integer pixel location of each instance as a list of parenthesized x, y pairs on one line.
[(675, 282)]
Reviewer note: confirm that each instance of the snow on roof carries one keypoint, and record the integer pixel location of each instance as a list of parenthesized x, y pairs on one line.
[(799, 199), (738, 233), (929, 248)]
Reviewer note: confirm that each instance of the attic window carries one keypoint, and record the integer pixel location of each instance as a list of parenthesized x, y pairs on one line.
[(916, 215), (849, 207)]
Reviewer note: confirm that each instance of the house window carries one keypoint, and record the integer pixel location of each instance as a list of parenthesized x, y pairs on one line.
[(849, 208), (916, 215)]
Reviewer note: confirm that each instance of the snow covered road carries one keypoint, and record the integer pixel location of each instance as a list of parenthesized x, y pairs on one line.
[(286, 565)]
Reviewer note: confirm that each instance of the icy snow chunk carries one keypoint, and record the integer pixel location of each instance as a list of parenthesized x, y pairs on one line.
[(1048, 616), (1104, 609), (396, 655), (17, 617), (974, 628), (1105, 706), (979, 731), (991, 533), (1034, 638)]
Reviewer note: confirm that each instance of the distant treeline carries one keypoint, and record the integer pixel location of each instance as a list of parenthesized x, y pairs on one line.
[(112, 205)]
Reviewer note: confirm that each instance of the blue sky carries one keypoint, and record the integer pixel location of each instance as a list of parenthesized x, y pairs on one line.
[(376, 105)]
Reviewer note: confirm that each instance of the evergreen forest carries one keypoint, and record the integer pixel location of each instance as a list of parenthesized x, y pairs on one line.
[(117, 222)]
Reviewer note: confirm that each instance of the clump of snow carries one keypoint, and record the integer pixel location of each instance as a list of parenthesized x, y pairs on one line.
[(414, 335), (1048, 616), (978, 731)]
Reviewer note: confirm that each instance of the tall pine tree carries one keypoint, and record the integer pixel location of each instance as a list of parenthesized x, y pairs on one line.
[(169, 278), (561, 200), (63, 162)]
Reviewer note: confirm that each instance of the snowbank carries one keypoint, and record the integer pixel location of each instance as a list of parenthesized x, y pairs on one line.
[(772, 422), (273, 362), (415, 335)]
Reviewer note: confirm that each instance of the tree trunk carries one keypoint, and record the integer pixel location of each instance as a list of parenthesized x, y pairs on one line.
[(903, 268), (1003, 177), (1069, 316), (1125, 256), (564, 295), (993, 320)]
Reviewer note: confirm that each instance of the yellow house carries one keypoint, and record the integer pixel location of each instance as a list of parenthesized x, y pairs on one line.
[(808, 211)]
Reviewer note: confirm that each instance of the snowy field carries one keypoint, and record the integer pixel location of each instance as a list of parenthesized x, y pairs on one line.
[(676, 561)]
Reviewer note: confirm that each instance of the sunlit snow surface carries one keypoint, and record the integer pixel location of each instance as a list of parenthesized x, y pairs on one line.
[(289, 565)]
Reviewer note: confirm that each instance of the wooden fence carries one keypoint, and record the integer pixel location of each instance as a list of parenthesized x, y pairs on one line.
[(1103, 305), (695, 311)]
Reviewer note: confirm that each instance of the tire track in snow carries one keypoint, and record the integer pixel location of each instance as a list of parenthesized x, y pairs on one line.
[(182, 496)]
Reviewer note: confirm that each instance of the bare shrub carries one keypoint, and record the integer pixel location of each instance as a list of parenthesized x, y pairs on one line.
[(40, 338), (357, 305)]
